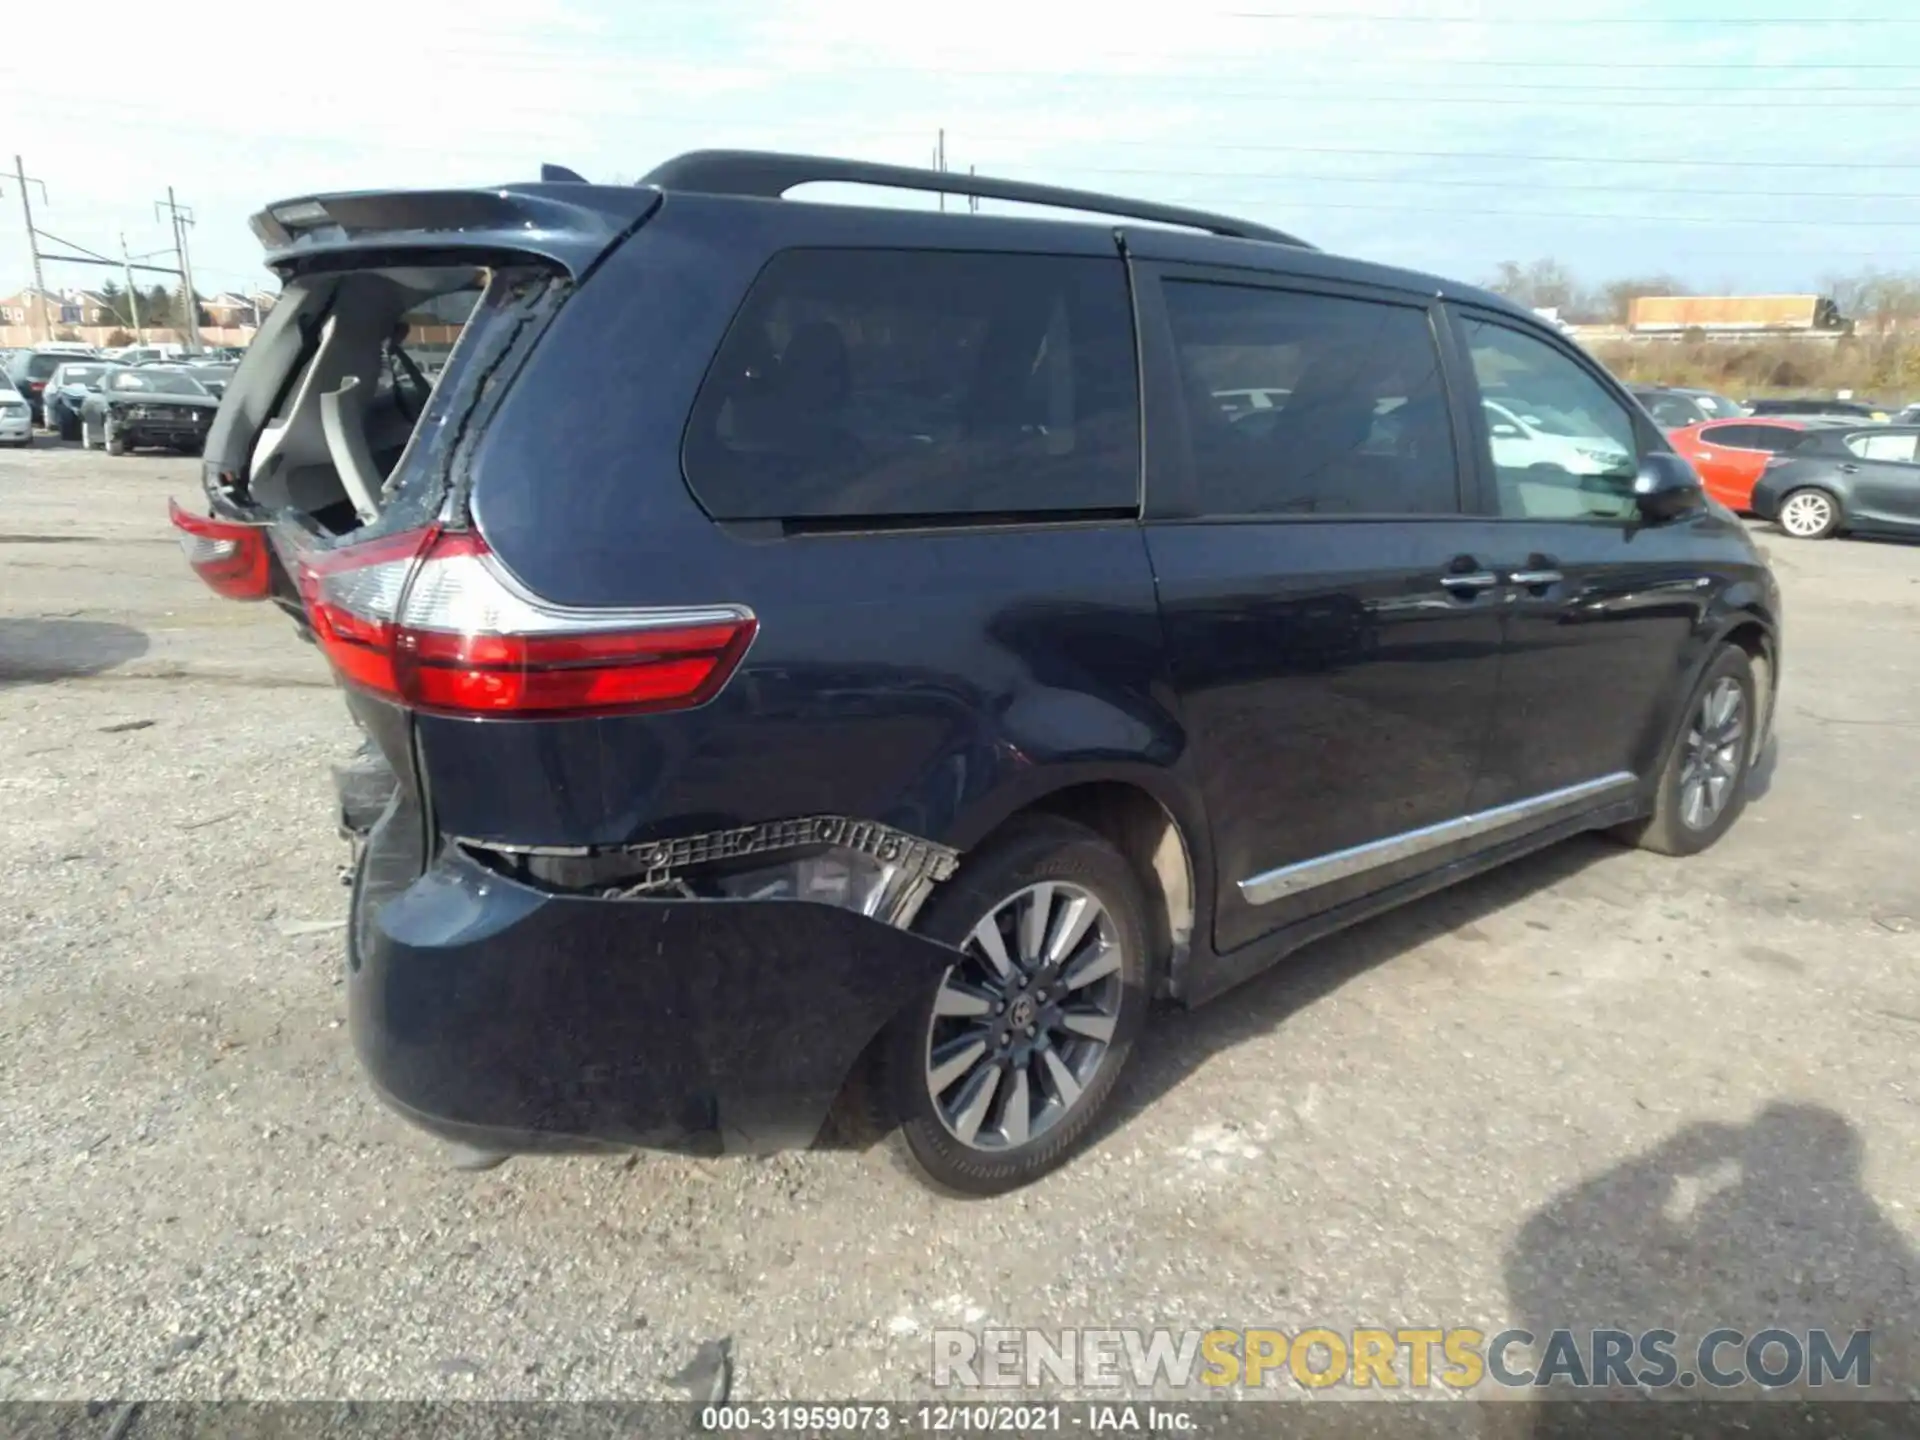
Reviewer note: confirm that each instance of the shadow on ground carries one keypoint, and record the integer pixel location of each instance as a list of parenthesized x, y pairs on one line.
[(1748, 1228), (38, 651)]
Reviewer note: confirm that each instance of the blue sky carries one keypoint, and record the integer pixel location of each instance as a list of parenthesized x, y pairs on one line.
[(1446, 137)]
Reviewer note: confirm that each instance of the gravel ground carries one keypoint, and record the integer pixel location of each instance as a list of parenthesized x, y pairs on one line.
[(1598, 1087)]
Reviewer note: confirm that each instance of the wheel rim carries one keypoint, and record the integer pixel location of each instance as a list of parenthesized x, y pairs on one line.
[(1024, 1022), (1715, 753), (1807, 513)]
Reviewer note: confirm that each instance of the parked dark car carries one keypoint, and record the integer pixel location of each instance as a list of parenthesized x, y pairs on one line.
[(1805, 405), (809, 652), (30, 370), (147, 406), (67, 388), (1838, 481), (1675, 407)]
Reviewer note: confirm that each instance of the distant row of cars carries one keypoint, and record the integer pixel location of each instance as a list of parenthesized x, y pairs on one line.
[(1676, 406), (1815, 475), (118, 402)]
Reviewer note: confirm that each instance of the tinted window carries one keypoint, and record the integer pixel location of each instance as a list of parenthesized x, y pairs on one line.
[(1567, 448), (875, 382), (1771, 438), (1881, 446), (1302, 404), (41, 366)]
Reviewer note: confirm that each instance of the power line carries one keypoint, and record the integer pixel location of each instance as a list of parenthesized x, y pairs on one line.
[(1450, 182), (1716, 163), (1644, 219), (1531, 20)]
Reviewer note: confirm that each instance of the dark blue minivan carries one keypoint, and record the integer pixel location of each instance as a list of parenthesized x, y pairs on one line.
[(819, 659)]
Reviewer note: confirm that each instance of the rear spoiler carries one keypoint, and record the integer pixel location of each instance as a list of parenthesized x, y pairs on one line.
[(566, 222)]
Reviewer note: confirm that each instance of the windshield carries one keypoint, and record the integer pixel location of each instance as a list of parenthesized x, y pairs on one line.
[(42, 365), (160, 382), (80, 374)]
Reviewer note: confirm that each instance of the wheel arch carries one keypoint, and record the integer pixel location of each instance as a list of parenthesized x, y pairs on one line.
[(1160, 847), (1827, 488)]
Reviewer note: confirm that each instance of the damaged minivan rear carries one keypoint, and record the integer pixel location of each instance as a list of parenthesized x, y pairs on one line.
[(664, 792)]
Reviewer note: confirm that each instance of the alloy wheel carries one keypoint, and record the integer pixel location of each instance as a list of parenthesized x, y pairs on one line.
[(1023, 1023), (1715, 754), (1806, 514)]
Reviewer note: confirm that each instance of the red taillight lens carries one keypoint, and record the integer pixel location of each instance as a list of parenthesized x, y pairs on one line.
[(432, 619), (231, 558)]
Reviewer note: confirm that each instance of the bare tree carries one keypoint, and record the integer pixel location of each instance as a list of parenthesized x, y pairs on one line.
[(1539, 285), (1617, 296)]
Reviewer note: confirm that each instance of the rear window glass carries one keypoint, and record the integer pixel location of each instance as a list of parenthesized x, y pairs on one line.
[(158, 382), (895, 383), (1772, 438)]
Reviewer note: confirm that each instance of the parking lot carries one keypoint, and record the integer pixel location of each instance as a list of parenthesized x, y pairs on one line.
[(1600, 1087)]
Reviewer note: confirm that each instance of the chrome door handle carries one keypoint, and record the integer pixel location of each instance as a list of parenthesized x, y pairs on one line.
[(1472, 580), (1535, 577)]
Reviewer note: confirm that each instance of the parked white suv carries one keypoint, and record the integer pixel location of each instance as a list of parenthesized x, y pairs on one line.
[(1536, 435)]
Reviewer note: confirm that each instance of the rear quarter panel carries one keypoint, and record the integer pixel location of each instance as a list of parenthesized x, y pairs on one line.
[(935, 680)]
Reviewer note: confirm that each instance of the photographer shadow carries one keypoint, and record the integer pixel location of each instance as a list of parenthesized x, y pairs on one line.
[(1755, 1227)]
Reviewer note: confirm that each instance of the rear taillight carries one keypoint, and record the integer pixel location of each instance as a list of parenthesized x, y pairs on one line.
[(231, 558), (432, 619)]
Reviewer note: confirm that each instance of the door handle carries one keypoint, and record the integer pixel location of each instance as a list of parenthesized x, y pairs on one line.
[(1848, 469), (1533, 579), (1472, 581)]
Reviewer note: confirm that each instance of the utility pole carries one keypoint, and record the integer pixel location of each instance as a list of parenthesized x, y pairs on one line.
[(33, 236), (182, 217), (133, 295)]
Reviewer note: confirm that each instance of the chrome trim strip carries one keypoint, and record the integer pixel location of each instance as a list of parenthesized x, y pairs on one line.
[(1305, 875)]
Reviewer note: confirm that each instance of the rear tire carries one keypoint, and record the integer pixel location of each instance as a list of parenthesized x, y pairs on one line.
[(1809, 513), (1069, 1005), (1703, 785)]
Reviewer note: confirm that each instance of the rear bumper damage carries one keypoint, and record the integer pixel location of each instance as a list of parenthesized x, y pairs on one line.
[(509, 1018)]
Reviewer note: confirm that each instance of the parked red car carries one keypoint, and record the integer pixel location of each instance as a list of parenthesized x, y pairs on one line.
[(1730, 454)]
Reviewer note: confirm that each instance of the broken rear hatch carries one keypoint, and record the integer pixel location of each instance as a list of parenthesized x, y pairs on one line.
[(400, 320)]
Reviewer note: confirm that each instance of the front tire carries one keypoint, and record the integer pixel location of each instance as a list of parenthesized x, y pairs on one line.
[(1000, 1071), (110, 435), (1809, 513), (1703, 785)]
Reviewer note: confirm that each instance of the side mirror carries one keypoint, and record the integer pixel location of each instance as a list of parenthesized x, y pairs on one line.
[(1667, 487)]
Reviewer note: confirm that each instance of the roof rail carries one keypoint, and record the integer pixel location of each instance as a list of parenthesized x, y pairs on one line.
[(770, 175)]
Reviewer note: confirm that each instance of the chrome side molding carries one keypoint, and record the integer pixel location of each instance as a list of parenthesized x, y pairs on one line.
[(1305, 875)]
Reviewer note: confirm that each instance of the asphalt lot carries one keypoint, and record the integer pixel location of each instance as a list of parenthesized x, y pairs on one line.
[(1600, 1087)]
